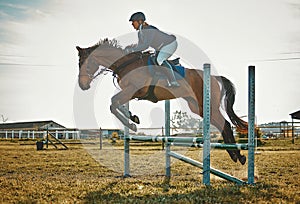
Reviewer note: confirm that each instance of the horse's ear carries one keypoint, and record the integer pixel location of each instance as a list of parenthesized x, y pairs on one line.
[(78, 48)]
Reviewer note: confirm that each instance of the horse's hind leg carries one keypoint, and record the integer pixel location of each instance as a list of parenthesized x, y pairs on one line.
[(220, 123), (224, 127), (229, 135), (195, 108)]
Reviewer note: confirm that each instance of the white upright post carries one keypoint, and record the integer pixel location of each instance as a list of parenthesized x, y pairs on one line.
[(78, 134)]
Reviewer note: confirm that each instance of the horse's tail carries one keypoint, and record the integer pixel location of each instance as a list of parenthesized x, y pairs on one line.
[(228, 91)]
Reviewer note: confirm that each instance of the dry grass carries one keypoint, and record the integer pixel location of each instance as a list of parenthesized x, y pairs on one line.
[(74, 176)]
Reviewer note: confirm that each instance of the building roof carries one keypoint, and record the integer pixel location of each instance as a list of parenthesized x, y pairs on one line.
[(296, 115), (31, 125)]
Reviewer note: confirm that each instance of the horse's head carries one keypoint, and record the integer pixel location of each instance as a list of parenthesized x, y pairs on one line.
[(87, 67), (104, 53)]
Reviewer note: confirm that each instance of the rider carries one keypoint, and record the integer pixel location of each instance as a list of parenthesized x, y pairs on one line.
[(163, 43)]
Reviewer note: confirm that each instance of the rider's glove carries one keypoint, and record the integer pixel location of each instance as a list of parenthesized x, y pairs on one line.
[(128, 50)]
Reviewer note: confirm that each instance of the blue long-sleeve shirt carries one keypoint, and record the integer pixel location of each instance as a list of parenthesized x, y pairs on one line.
[(150, 36)]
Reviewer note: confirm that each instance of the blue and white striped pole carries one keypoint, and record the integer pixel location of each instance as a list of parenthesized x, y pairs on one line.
[(251, 123), (206, 124), (167, 134), (126, 149)]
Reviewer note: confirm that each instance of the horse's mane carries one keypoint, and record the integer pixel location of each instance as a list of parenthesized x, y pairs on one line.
[(108, 43), (105, 43)]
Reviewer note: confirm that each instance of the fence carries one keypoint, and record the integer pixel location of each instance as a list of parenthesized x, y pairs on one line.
[(38, 134)]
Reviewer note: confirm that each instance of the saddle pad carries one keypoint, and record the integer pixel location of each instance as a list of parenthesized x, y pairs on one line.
[(179, 70)]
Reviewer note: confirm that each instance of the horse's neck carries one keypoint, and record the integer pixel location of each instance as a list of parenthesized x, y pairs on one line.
[(108, 56), (129, 62)]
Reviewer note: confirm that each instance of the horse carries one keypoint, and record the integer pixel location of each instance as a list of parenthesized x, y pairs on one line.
[(136, 81)]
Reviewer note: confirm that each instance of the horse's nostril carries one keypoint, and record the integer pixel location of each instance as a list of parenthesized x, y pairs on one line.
[(84, 87)]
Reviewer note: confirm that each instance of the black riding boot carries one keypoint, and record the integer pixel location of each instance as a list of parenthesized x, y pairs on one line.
[(170, 75)]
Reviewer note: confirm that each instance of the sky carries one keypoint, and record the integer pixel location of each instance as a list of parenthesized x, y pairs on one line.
[(39, 62)]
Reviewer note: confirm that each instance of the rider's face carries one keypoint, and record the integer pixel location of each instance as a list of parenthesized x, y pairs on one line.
[(135, 24)]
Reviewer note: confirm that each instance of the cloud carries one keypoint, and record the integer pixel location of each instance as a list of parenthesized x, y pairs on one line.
[(46, 32), (16, 6), (295, 7), (3, 14), (21, 11), (41, 13), (13, 11)]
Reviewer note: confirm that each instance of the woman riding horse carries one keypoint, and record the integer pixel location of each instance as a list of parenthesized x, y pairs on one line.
[(135, 81), (164, 44)]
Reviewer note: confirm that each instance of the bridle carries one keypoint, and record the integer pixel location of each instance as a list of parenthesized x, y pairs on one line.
[(117, 69), (91, 76), (103, 71)]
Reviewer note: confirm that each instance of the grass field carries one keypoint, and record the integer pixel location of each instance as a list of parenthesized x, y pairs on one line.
[(80, 175)]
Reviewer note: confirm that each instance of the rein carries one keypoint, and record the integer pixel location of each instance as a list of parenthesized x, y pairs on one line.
[(94, 76), (102, 70), (118, 68), (125, 64)]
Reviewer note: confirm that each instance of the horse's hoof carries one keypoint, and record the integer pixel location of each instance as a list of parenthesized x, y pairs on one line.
[(135, 119), (133, 127), (242, 159), (233, 156)]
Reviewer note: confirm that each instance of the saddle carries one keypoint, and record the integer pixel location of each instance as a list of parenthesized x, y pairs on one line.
[(151, 62), (180, 70), (176, 66)]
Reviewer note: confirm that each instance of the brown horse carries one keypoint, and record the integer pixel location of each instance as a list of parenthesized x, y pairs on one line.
[(137, 82)]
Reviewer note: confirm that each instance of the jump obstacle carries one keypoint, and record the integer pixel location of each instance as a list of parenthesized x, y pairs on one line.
[(199, 142)]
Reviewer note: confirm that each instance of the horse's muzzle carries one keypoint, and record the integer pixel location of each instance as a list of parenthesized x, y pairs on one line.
[(84, 87)]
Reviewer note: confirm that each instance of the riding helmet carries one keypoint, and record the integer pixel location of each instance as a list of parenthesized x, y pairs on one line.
[(137, 16)]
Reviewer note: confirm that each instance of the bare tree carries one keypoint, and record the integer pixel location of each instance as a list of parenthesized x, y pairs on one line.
[(4, 119)]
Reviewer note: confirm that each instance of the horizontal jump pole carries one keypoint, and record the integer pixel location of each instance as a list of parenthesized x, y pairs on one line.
[(187, 142), (212, 170), (166, 139), (213, 145)]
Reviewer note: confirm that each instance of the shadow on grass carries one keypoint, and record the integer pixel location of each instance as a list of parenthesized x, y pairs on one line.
[(217, 193)]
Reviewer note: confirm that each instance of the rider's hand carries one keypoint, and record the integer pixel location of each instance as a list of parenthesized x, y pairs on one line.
[(128, 50)]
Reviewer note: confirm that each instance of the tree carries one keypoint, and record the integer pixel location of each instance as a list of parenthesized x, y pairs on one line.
[(4, 119), (181, 120)]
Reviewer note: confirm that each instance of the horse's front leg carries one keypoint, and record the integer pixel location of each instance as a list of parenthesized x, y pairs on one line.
[(120, 111), (123, 119), (124, 110)]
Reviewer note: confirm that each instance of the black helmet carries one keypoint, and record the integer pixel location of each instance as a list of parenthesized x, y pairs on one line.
[(137, 16)]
